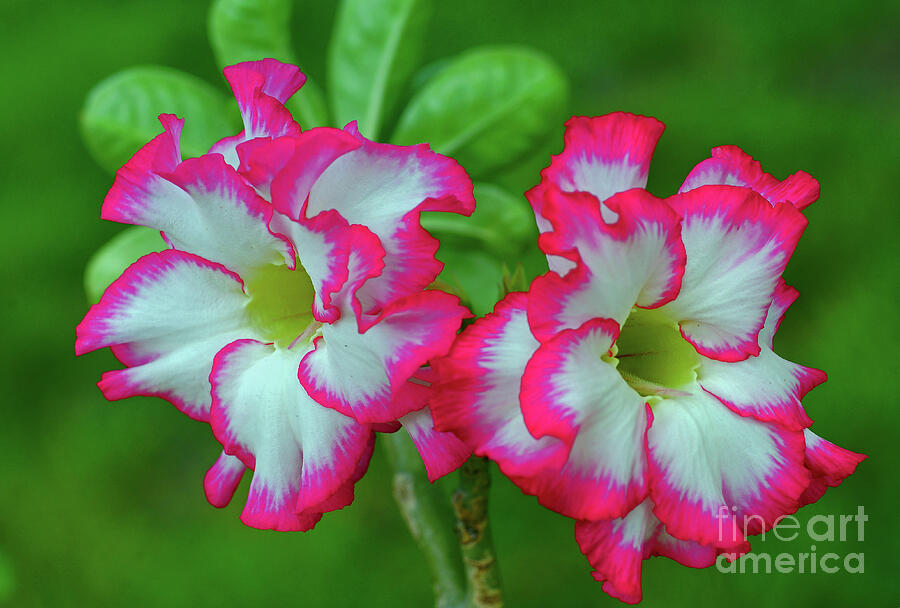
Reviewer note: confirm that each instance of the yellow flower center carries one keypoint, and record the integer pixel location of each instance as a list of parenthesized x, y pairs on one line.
[(652, 356), (280, 305)]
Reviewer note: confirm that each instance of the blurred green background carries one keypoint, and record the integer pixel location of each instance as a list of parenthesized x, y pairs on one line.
[(102, 505)]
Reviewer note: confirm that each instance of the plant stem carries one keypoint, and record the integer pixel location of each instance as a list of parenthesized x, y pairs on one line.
[(429, 520), (470, 502)]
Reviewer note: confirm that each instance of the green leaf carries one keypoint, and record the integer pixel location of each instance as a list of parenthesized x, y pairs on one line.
[(376, 46), (120, 113), (487, 107), (427, 72), (525, 172), (108, 263), (249, 30), (502, 223), (474, 276)]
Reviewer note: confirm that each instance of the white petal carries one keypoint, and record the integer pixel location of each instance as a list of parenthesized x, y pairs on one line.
[(166, 317), (301, 453)]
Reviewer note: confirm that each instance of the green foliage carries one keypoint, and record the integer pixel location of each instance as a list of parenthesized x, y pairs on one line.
[(249, 30), (375, 47), (120, 114), (108, 263), (475, 276), (474, 249), (487, 107), (502, 224)]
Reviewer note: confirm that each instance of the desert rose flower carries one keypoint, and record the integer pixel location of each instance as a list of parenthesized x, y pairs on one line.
[(290, 311), (634, 387)]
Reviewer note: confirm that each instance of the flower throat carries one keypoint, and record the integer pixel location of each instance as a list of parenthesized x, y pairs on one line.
[(280, 304), (653, 357)]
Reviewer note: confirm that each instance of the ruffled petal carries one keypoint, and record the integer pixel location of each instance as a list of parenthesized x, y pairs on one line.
[(537, 196), (295, 174), (345, 494), (731, 166), (441, 452), (278, 79), (301, 453), (782, 299), (205, 208), (384, 188), (477, 395), (166, 317), (716, 476), (261, 88), (224, 221), (737, 246), (222, 479), (262, 159), (339, 257), (359, 364), (570, 392), (365, 261), (604, 155), (766, 387), (829, 464), (138, 181), (616, 549), (638, 259), (336, 256)]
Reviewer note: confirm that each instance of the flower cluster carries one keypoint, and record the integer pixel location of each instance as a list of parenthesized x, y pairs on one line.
[(634, 387), (290, 311)]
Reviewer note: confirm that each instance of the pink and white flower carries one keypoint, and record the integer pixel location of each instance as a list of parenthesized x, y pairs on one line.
[(634, 387), (290, 311)]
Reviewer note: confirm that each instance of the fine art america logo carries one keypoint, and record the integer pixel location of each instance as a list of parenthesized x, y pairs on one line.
[(819, 528)]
